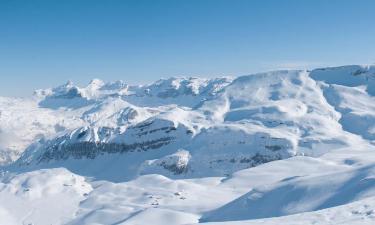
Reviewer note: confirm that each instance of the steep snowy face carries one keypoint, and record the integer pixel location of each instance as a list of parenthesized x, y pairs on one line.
[(351, 90), (174, 87), (350, 76), (286, 104)]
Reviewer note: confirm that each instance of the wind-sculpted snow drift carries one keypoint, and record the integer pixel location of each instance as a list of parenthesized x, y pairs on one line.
[(258, 146)]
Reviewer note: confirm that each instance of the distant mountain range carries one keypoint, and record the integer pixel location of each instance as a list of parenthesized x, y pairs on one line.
[(267, 144)]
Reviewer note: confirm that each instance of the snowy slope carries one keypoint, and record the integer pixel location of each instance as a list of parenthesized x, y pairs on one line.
[(193, 150), (25, 197)]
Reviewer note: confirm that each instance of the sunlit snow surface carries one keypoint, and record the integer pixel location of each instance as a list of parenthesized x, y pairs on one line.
[(284, 147)]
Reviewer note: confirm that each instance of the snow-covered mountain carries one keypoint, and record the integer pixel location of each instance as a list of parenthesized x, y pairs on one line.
[(193, 150)]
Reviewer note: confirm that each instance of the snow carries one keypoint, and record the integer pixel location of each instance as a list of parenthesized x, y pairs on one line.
[(357, 213), (176, 163), (25, 197), (282, 147)]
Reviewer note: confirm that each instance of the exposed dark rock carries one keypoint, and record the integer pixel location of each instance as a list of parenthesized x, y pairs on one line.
[(273, 147), (176, 169), (58, 151)]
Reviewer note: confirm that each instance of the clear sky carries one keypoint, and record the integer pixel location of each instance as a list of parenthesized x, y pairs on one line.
[(46, 43)]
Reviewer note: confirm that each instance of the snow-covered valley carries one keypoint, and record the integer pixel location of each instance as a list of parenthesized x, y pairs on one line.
[(282, 147)]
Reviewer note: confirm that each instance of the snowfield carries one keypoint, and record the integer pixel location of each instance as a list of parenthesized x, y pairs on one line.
[(284, 147)]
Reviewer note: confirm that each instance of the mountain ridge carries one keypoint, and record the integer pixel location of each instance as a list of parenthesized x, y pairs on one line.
[(283, 114), (290, 146)]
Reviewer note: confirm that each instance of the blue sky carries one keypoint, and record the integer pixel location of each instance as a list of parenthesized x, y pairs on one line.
[(46, 43)]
